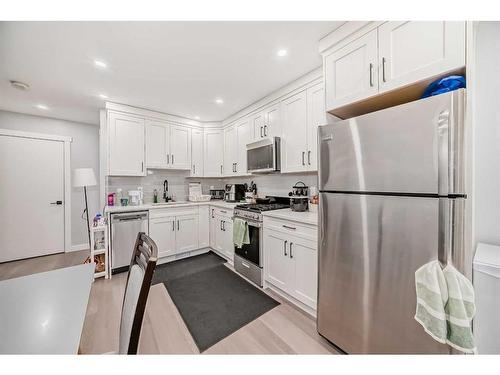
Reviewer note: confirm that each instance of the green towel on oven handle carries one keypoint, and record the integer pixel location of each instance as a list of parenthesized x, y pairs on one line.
[(240, 233)]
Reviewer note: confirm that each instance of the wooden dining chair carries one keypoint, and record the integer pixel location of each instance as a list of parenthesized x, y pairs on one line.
[(139, 277)]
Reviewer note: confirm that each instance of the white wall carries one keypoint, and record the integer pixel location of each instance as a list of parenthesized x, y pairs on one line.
[(487, 134), (84, 153)]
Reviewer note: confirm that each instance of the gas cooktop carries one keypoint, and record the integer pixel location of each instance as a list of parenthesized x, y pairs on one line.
[(261, 207)]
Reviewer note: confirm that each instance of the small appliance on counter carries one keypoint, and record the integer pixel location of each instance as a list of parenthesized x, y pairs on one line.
[(136, 197), (217, 193), (299, 197), (195, 194), (234, 192)]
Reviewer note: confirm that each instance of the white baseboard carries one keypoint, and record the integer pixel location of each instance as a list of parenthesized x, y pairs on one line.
[(82, 246)]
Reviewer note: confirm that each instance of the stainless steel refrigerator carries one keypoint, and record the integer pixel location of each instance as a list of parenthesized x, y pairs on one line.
[(392, 198)]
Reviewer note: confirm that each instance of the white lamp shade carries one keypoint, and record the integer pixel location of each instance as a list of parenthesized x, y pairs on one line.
[(84, 177)]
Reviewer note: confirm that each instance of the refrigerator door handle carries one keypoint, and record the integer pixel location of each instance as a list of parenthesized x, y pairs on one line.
[(444, 169), (444, 231)]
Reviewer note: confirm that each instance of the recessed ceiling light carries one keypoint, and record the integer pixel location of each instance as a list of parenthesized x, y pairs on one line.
[(282, 52), (100, 64), (103, 96), (42, 107), (19, 85), (219, 101)]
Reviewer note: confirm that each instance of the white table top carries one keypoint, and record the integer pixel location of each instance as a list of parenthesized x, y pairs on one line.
[(44, 313)]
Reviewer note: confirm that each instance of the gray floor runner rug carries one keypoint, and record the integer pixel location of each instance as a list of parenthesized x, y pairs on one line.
[(213, 301)]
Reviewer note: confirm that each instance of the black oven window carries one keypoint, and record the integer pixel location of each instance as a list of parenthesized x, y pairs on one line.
[(250, 251)]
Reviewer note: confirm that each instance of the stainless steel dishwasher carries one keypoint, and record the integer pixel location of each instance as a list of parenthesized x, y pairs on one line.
[(124, 229)]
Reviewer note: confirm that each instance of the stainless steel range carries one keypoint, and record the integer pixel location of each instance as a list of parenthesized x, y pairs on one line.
[(248, 260)]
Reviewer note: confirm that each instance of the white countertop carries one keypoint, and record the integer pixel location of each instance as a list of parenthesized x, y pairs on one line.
[(44, 313), (153, 206), (307, 217)]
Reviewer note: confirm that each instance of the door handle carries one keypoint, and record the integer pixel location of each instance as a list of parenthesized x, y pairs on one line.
[(221, 225), (142, 166), (213, 213), (303, 157), (224, 225), (224, 212), (288, 227), (245, 265), (235, 167), (371, 75), (383, 69), (57, 203), (194, 169), (309, 157), (168, 158), (173, 225), (221, 169), (291, 255), (265, 130), (284, 248), (178, 221), (261, 132), (172, 158)]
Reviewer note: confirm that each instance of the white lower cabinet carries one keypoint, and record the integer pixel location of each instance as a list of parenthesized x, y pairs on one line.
[(291, 263), (203, 227), (221, 232), (178, 230), (162, 231)]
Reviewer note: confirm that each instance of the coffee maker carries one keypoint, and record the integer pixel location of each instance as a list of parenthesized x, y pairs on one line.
[(234, 192)]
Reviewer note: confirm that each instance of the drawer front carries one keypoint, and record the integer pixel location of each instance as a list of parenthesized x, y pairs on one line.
[(223, 212), (292, 228), (173, 211), (248, 269)]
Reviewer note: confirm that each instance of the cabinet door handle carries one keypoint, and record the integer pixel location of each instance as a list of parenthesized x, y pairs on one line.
[(172, 158), (291, 255), (178, 221), (265, 130), (173, 225), (284, 248), (309, 157), (221, 169), (383, 69), (142, 166), (261, 132), (168, 158), (288, 227), (224, 225), (303, 158), (213, 213), (224, 212), (371, 75), (221, 225)]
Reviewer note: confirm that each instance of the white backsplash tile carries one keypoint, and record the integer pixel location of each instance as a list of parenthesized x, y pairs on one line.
[(271, 184)]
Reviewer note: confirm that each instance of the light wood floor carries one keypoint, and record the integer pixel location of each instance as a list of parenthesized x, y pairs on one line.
[(282, 330)]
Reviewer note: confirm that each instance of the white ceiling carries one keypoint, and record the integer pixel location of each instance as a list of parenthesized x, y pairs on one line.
[(174, 67)]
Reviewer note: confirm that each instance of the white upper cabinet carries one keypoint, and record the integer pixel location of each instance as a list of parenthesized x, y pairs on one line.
[(180, 147), (157, 144), (316, 116), (243, 136), (351, 73), (257, 124), (214, 153), (272, 121), (294, 141), (391, 56), (197, 153), (229, 151), (414, 50), (167, 145), (126, 145)]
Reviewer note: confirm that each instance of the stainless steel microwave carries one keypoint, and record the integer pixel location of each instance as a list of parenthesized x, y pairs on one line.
[(264, 155)]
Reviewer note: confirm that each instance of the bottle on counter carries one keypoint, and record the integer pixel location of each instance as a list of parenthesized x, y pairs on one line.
[(111, 199), (155, 196), (119, 196)]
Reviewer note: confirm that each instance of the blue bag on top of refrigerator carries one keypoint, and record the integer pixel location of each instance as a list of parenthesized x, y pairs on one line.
[(443, 85)]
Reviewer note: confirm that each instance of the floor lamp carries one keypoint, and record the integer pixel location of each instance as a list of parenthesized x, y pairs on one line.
[(83, 177)]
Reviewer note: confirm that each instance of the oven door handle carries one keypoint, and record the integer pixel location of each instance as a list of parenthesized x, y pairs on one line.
[(251, 223)]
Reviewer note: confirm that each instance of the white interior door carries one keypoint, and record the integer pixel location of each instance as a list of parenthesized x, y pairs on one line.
[(32, 180)]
